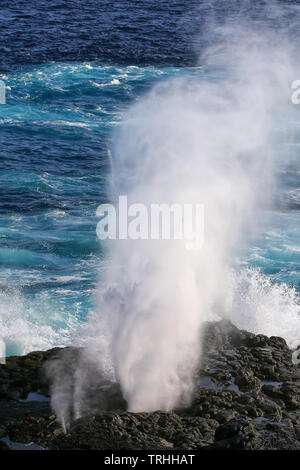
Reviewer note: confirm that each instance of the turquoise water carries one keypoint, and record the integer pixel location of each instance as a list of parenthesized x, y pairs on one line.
[(56, 129)]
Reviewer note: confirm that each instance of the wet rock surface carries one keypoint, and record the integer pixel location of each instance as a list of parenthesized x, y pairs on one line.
[(246, 396)]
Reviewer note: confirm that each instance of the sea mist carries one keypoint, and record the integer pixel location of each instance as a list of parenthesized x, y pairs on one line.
[(209, 139)]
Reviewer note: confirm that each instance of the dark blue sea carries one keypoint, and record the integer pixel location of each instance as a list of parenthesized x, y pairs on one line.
[(72, 69)]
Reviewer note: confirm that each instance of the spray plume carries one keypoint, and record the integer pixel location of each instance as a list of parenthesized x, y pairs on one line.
[(207, 140)]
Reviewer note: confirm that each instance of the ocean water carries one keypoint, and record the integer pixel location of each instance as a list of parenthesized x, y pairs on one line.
[(71, 73)]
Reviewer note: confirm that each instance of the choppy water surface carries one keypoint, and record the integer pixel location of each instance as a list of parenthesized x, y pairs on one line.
[(71, 73)]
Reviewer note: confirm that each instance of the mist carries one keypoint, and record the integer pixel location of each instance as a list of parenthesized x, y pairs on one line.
[(209, 139)]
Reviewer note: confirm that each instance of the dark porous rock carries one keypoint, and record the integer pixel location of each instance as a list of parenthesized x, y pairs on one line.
[(246, 396), (238, 433), (24, 374), (246, 380), (128, 431), (278, 436)]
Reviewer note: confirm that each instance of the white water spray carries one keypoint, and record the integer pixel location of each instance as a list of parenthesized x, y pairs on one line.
[(200, 140), (188, 141)]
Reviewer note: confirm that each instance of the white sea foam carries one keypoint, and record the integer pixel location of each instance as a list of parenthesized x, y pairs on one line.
[(114, 81), (261, 306), (27, 325)]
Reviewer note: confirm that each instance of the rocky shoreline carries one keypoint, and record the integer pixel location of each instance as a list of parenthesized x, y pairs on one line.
[(246, 396)]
